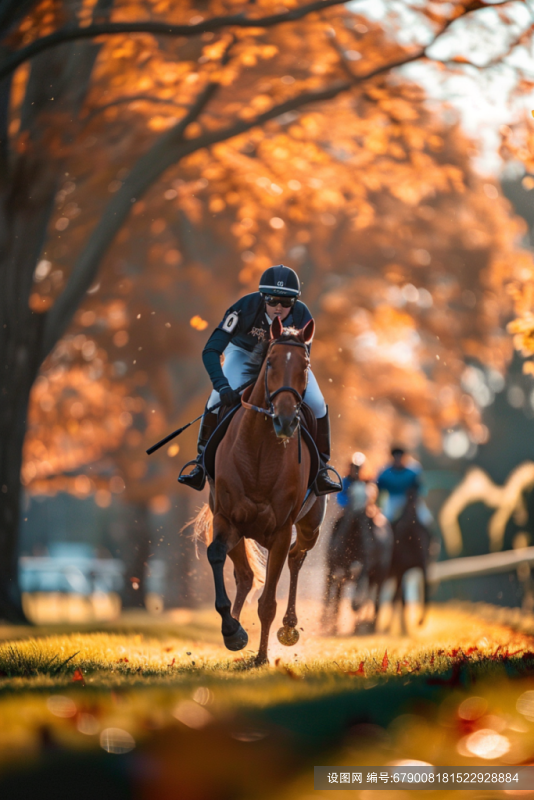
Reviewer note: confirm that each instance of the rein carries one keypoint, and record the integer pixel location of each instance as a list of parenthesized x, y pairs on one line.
[(269, 412)]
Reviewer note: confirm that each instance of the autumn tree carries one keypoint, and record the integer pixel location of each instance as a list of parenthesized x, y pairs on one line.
[(200, 67)]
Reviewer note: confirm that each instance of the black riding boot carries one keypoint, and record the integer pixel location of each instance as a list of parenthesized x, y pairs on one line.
[(197, 477), (324, 483)]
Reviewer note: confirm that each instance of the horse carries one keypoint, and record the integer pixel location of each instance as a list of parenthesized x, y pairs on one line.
[(359, 554), (412, 549), (262, 472)]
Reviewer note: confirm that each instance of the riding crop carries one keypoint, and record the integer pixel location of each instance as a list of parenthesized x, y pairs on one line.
[(184, 427)]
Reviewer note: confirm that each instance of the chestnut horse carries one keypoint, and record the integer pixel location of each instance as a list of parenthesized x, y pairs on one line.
[(261, 479)]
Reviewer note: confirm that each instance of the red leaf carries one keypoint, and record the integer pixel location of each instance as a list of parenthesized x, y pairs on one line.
[(398, 668), (78, 676), (172, 663), (385, 662), (359, 671)]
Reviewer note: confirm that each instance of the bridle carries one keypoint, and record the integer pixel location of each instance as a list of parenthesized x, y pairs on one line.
[(269, 412)]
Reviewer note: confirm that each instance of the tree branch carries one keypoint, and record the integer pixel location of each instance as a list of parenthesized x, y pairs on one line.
[(68, 34), (134, 98), (167, 151), (146, 170)]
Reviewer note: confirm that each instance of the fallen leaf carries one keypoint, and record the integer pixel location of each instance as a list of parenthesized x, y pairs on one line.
[(78, 677)]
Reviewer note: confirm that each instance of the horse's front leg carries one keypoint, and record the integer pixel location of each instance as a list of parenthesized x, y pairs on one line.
[(224, 538), (289, 634), (267, 601), (307, 533)]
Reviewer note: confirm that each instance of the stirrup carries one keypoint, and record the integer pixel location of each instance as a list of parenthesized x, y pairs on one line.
[(198, 481), (335, 487)]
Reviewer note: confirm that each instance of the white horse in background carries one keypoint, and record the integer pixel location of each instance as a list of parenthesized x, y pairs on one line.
[(477, 486)]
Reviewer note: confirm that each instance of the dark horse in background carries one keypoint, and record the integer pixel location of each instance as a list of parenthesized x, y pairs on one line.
[(359, 555), (413, 548), (262, 471)]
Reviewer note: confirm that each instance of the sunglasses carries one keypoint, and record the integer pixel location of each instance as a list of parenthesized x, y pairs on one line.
[(285, 302)]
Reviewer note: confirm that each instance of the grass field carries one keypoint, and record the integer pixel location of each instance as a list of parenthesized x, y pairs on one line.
[(163, 691)]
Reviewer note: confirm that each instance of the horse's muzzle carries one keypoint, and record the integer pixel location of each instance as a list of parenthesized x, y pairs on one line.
[(285, 426)]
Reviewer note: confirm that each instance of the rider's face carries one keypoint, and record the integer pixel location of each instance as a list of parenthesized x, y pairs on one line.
[(277, 311)]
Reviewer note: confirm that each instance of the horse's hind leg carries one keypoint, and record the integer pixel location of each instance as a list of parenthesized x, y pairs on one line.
[(340, 580), (267, 601), (244, 576), (327, 618), (400, 596), (224, 538), (425, 596)]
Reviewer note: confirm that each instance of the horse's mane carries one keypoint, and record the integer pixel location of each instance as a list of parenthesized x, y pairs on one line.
[(252, 367)]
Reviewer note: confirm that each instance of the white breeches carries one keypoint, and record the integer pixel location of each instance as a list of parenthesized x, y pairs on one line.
[(235, 359)]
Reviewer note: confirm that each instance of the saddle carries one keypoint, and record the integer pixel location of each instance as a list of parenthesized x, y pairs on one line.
[(308, 432)]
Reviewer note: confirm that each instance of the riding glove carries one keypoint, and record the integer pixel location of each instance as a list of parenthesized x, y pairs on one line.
[(229, 396)]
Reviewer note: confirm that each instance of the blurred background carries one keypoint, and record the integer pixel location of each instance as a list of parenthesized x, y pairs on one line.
[(383, 149)]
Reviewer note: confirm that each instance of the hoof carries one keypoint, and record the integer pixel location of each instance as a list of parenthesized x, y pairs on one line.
[(237, 640), (288, 636)]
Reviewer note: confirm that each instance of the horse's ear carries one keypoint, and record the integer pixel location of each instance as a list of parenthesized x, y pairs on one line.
[(308, 331), (276, 328)]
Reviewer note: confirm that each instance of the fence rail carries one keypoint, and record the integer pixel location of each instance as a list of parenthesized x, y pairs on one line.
[(480, 565)]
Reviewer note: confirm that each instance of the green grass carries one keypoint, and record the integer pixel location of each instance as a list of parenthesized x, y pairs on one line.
[(168, 681)]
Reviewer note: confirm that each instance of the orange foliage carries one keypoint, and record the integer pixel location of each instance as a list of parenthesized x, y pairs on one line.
[(403, 249)]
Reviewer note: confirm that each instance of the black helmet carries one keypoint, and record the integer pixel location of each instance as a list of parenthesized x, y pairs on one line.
[(280, 281)]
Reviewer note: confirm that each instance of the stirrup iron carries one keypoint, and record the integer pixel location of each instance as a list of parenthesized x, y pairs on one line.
[(199, 481), (326, 469)]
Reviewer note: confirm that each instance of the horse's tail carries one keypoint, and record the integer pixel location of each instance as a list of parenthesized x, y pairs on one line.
[(203, 532), (202, 527), (257, 561)]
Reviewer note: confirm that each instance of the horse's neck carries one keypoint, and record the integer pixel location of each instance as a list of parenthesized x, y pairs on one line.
[(252, 428), (257, 396)]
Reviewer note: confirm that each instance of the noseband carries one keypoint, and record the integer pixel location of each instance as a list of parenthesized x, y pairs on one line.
[(269, 412)]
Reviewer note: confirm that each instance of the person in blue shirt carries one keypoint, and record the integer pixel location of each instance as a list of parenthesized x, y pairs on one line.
[(245, 323), (352, 478), (396, 480)]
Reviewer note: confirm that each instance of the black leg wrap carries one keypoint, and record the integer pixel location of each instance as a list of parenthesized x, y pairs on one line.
[(237, 640)]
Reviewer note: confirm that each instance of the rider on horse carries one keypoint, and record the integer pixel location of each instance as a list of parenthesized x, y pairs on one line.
[(397, 480), (246, 323), (353, 487)]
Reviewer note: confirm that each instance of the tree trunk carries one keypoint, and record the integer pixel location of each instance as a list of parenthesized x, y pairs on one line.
[(136, 559), (23, 223), (28, 185)]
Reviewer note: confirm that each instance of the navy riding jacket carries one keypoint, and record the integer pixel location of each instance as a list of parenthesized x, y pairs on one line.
[(245, 324)]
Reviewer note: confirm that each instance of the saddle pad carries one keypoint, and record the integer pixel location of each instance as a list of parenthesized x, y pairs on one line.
[(219, 432)]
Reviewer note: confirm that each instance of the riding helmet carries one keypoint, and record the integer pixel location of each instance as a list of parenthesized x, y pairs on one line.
[(280, 281)]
